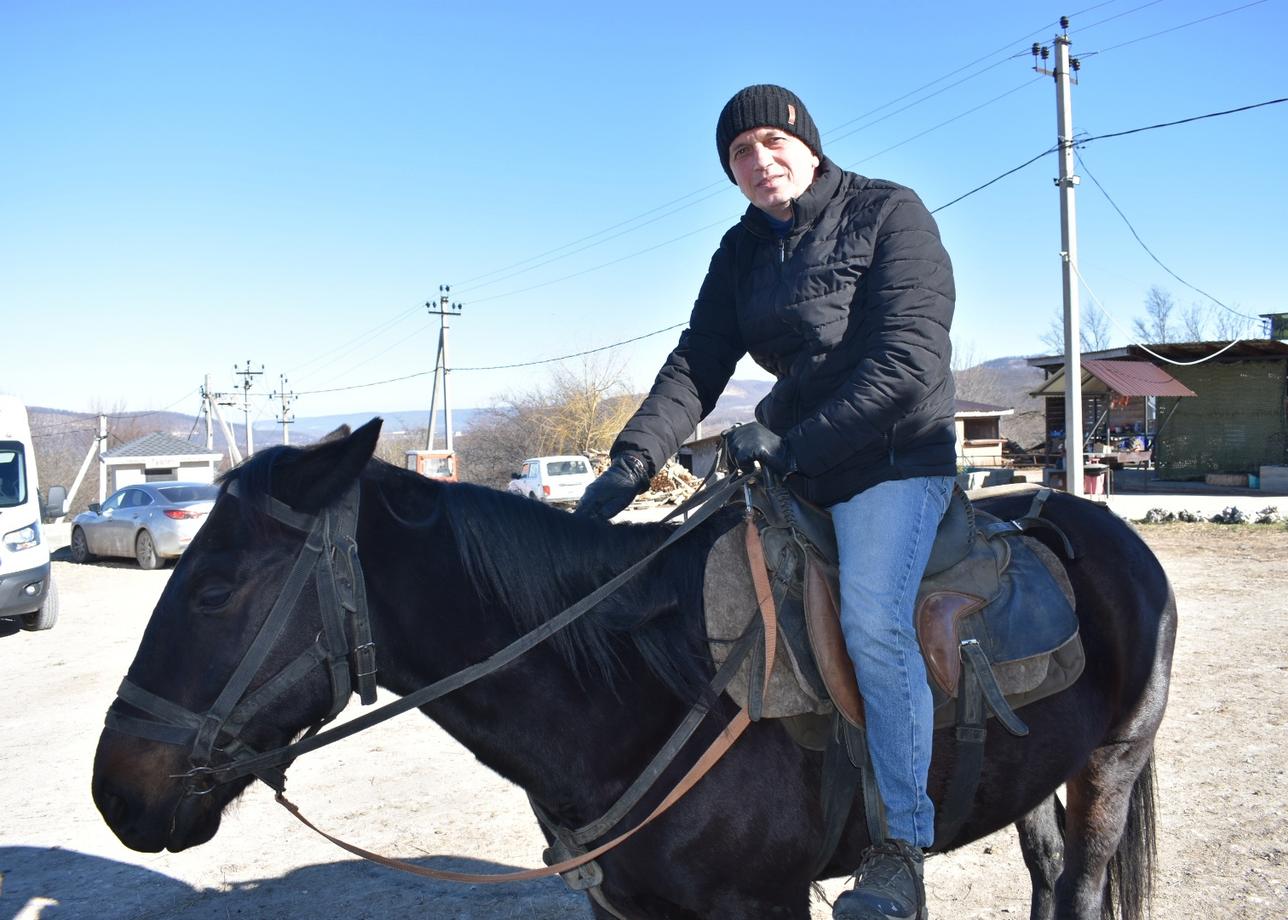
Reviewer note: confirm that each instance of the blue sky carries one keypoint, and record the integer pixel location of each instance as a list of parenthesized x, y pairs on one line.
[(185, 187)]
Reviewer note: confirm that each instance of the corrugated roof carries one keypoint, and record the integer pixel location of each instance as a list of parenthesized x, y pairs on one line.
[(158, 444), (1136, 378), (965, 405), (1246, 350), (1126, 378)]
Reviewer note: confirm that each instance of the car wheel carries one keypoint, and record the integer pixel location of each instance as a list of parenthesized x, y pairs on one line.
[(145, 551), (532, 495), (47, 615), (80, 547)]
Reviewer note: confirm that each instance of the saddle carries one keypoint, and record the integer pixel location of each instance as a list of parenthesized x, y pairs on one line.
[(994, 616)]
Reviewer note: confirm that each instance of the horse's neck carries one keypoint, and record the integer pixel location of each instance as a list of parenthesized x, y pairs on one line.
[(536, 722)]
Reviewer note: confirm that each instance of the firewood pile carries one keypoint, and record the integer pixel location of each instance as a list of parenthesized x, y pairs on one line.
[(671, 486)]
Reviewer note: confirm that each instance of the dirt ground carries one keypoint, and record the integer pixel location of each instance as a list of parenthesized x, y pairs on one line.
[(406, 789)]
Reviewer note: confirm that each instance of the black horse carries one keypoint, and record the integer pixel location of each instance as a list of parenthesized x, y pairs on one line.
[(456, 572)]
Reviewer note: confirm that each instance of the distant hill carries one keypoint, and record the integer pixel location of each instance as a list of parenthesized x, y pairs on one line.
[(1004, 382)]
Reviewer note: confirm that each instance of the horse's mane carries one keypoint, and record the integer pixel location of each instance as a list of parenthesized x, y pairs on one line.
[(535, 561)]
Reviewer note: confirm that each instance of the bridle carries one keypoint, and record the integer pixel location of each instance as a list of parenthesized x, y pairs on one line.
[(330, 550), (342, 596), (343, 647)]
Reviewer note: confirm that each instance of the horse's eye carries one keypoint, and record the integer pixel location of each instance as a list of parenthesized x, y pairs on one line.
[(213, 598)]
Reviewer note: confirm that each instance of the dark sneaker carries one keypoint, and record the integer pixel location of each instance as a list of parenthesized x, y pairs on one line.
[(888, 885)]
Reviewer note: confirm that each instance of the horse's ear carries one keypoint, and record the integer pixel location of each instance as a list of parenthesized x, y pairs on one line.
[(338, 434), (318, 475)]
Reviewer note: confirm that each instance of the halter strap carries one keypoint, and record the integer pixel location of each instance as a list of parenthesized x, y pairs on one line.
[(330, 544)]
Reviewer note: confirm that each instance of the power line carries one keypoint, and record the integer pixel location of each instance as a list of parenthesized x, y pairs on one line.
[(347, 346), (577, 354), (358, 386), (723, 187), (960, 115), (719, 187), (980, 188), (1087, 140), (724, 221), (1134, 9), (1184, 25), (1143, 246), (1183, 121), (1146, 348)]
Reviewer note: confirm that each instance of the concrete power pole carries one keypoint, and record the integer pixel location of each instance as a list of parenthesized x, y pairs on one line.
[(1065, 68), (286, 418), (102, 461), (247, 377), (445, 311), (206, 399)]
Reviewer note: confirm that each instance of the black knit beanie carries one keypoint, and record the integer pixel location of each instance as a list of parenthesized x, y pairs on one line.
[(764, 106)]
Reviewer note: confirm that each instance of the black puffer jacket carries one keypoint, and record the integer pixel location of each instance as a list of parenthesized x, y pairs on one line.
[(850, 312)]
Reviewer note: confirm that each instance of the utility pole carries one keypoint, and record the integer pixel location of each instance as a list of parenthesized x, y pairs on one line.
[(205, 408), (445, 311), (102, 461), (286, 418), (1064, 74), (247, 377)]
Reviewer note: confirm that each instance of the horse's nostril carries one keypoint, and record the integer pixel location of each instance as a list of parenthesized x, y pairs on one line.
[(110, 804)]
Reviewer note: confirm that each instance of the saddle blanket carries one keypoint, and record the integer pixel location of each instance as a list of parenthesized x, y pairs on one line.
[(1009, 593)]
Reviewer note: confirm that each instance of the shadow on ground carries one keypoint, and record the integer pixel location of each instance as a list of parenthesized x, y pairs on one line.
[(58, 884)]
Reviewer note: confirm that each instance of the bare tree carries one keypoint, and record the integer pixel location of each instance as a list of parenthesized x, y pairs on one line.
[(1093, 333), (1156, 328), (1230, 325), (1095, 329), (1194, 323), (976, 382), (393, 446), (577, 411)]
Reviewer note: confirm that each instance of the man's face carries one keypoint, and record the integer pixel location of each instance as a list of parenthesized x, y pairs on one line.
[(772, 168)]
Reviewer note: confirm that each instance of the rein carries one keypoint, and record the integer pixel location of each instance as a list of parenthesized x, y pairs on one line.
[(330, 552), (173, 724)]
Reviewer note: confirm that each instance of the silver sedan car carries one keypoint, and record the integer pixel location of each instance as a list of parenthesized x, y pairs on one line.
[(151, 522)]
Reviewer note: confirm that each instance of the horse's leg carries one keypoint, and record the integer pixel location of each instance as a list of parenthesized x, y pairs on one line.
[(1042, 843), (1114, 790), (1110, 809)]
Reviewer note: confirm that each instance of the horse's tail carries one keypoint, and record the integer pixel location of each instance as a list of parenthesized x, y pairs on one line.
[(1130, 883)]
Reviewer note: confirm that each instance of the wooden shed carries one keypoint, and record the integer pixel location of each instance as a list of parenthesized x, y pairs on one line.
[(1198, 408)]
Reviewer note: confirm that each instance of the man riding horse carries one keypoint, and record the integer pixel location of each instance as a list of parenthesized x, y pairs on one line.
[(839, 286)]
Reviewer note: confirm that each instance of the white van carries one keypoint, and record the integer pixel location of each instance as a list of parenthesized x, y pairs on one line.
[(27, 589), (553, 480)]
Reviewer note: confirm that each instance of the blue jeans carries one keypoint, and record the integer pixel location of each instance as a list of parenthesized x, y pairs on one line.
[(885, 535)]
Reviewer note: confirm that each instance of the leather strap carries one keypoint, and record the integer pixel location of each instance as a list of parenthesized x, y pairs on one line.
[(712, 502), (725, 740), (764, 596)]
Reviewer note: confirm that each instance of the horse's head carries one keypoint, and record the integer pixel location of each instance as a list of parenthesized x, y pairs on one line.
[(240, 654)]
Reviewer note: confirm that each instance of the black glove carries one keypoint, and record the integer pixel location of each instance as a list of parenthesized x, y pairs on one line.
[(754, 441), (626, 477)]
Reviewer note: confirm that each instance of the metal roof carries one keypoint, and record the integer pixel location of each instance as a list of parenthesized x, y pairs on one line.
[(1126, 378), (1178, 351), (159, 444), (966, 407)]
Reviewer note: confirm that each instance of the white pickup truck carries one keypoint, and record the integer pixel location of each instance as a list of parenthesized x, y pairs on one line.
[(27, 589)]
